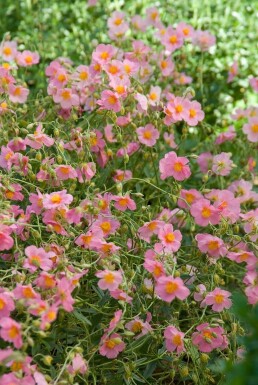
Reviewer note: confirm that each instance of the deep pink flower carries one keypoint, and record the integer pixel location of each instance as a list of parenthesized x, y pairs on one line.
[(123, 203), (208, 338), (6, 241), (169, 288), (188, 198), (204, 213), (170, 238), (37, 258), (56, 199), (174, 339), (175, 166)]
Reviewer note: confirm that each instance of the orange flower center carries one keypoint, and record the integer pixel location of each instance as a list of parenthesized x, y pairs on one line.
[(213, 245), (179, 108), (186, 31), (13, 332), (192, 113), (147, 135), (110, 344), (206, 212), (153, 96), (171, 287), (163, 64), (173, 39), (104, 55), (28, 292), (66, 95), (169, 237), (255, 128), (7, 51), (17, 91), (113, 69), (112, 99), (28, 59), (2, 304), (137, 327), (118, 21), (178, 166), (56, 198), (177, 340), (109, 278), (86, 239), (123, 201), (152, 226), (83, 75), (106, 226), (219, 298), (189, 197)]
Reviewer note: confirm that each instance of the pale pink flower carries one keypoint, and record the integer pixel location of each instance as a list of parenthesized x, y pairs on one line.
[(218, 298), (25, 292), (148, 229), (27, 58), (225, 136), (86, 171), (91, 240), (212, 245), (254, 83), (37, 258), (170, 238), (166, 66), (205, 161), (8, 50), (204, 40), (170, 139), (148, 135), (63, 294), (169, 288), (104, 53), (208, 338), (185, 29), (109, 101), (66, 97), (173, 39), (11, 331), (154, 96), (138, 327), (18, 94), (6, 304), (121, 296), (153, 266), (233, 71), (56, 199), (38, 138), (152, 16), (6, 158), (111, 346), (78, 365), (241, 189), (48, 317), (251, 129), (200, 293), (142, 105), (123, 203), (188, 197), (172, 165), (6, 241), (65, 172), (174, 339), (222, 164), (182, 79), (194, 113), (109, 279), (204, 213), (121, 175), (139, 23)]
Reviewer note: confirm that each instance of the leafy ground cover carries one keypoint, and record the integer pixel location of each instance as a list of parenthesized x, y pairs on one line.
[(128, 182)]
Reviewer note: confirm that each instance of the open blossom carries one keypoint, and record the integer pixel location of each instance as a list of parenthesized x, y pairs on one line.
[(38, 139), (174, 339), (222, 164), (173, 39), (8, 50), (6, 304), (193, 114), (170, 238), (175, 166), (204, 39), (214, 246), (27, 58), (188, 197), (37, 258), (78, 365), (56, 199), (169, 288), (66, 97), (225, 136), (123, 203), (251, 129), (204, 161), (109, 279), (138, 327), (109, 101), (11, 331), (18, 94), (111, 346), (148, 135), (65, 172), (218, 299), (148, 229), (104, 53), (208, 338), (204, 213), (154, 96), (6, 241)]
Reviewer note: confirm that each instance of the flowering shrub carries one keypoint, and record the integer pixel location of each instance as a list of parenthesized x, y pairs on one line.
[(126, 219)]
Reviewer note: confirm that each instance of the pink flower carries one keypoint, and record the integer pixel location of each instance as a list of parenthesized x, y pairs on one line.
[(109, 279), (194, 113), (254, 83), (205, 161), (109, 101), (233, 71), (18, 94), (6, 158), (8, 50), (152, 16), (204, 213), (38, 138), (221, 164), (174, 339), (228, 135), (185, 29), (11, 331), (78, 365), (251, 129), (6, 304), (124, 202), (27, 58), (214, 246), (172, 165), (66, 97), (152, 265), (148, 135), (200, 293), (56, 199), (208, 338), (91, 240), (37, 257), (111, 346), (169, 288), (104, 53), (170, 238), (219, 299), (172, 40), (138, 327), (63, 295), (6, 241), (148, 229), (188, 197), (11, 379), (65, 172), (166, 66), (204, 40), (154, 96)]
